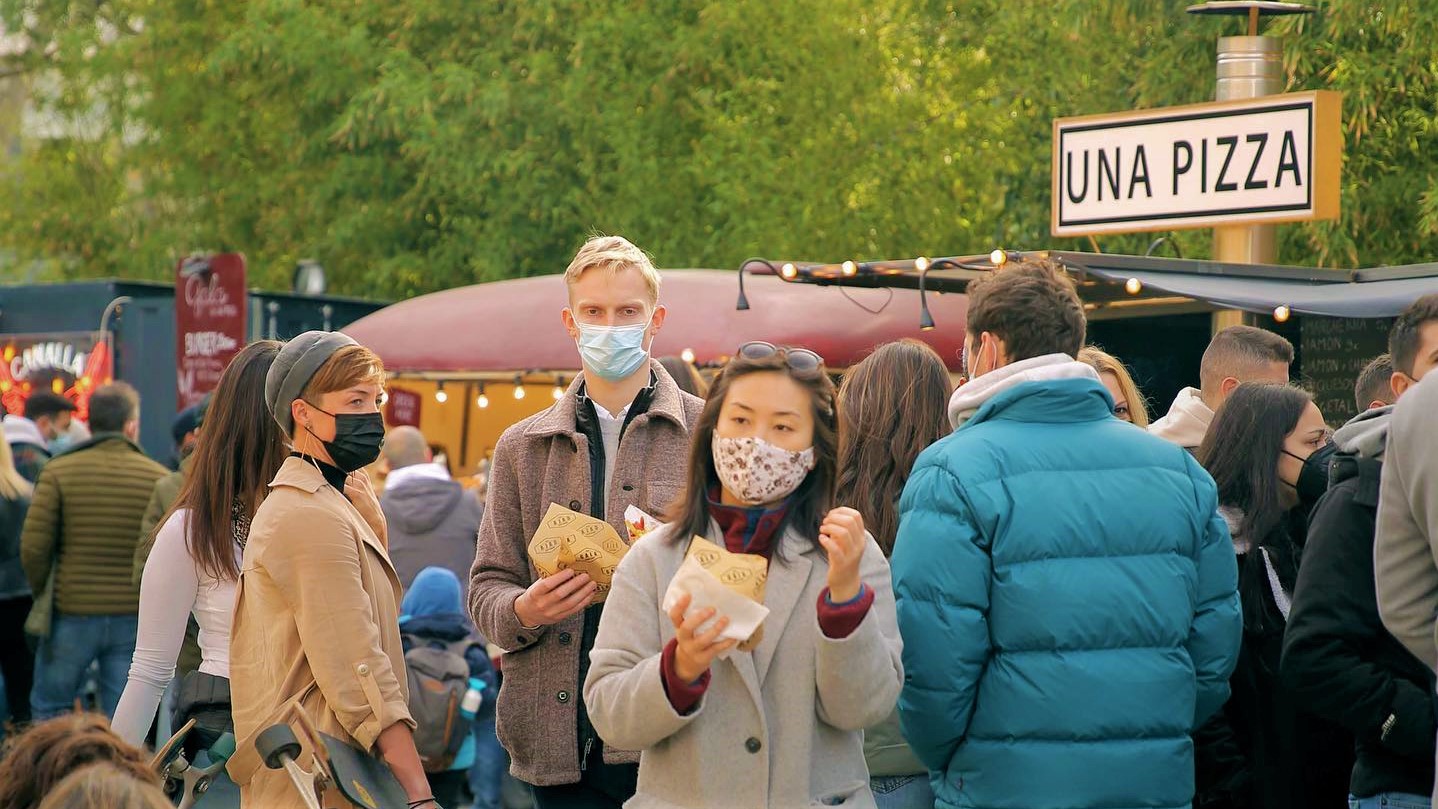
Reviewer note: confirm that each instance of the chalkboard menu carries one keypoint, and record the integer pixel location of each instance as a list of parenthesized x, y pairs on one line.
[(1334, 350)]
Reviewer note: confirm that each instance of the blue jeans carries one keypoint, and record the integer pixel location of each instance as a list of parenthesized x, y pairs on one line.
[(490, 764), (63, 659), (1390, 800), (903, 792)]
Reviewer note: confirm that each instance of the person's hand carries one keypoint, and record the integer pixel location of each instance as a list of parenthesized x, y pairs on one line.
[(842, 535), (694, 654), (554, 598), (361, 495)]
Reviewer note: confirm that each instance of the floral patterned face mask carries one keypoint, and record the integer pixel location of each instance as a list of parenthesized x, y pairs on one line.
[(758, 472)]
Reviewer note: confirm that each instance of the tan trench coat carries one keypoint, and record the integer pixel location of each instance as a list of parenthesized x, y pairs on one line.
[(316, 621)]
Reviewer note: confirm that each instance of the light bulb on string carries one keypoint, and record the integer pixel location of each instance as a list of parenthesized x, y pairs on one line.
[(1282, 313), (789, 270), (559, 389), (687, 355), (850, 268), (999, 257), (440, 395), (1133, 286), (483, 400), (518, 388), (922, 263)]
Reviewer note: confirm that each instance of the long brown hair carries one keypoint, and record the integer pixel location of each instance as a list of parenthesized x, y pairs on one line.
[(238, 453), (891, 407), (814, 497), (33, 763)]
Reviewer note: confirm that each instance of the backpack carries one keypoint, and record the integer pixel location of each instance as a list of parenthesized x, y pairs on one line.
[(438, 677)]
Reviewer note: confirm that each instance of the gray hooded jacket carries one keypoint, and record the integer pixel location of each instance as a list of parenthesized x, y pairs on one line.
[(431, 522)]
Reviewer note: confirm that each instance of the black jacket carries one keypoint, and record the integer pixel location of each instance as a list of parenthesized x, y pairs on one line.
[(1339, 660), (1265, 750)]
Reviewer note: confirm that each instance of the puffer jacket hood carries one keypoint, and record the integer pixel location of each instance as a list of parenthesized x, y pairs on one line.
[(419, 506), (1187, 421), (1366, 434)]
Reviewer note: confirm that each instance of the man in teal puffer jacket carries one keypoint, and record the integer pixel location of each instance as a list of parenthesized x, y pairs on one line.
[(1067, 591)]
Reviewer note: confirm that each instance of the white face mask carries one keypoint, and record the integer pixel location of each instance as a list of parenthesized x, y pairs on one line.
[(758, 472)]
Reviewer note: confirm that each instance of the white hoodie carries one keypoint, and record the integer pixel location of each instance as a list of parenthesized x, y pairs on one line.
[(20, 430), (967, 400), (1187, 421)]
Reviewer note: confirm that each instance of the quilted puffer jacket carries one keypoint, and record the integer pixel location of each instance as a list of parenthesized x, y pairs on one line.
[(1067, 595)]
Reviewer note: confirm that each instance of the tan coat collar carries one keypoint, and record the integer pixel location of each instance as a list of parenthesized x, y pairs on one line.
[(298, 474)]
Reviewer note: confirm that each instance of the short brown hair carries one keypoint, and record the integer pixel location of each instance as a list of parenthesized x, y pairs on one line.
[(1403, 340), (112, 406), (1374, 383), (346, 368), (1238, 351), (1032, 305), (614, 253), (34, 762)]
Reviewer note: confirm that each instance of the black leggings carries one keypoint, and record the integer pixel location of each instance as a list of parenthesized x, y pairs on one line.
[(17, 662)]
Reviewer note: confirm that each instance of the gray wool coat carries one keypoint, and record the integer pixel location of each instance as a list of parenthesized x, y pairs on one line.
[(779, 727)]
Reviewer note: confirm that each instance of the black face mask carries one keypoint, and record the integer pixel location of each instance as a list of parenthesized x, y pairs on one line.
[(1313, 478), (357, 441)]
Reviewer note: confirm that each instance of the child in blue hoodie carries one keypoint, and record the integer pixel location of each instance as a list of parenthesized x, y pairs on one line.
[(432, 612)]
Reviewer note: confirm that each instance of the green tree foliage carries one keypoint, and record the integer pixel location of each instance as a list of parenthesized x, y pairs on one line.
[(419, 145)]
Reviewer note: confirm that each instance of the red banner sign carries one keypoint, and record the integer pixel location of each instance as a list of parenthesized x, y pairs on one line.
[(402, 408), (210, 309)]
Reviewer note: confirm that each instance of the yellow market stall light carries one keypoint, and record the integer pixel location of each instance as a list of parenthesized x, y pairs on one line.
[(1133, 286), (518, 387), (440, 395), (921, 264), (1282, 313), (850, 268), (687, 355), (789, 271), (999, 257), (483, 400)]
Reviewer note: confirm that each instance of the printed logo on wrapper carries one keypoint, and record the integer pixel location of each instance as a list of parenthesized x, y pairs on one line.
[(733, 584), (568, 540)]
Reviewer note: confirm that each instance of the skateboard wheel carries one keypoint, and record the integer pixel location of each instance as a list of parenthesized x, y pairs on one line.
[(277, 743)]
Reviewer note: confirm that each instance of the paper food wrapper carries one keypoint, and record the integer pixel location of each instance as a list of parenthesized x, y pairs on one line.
[(639, 523), (569, 540), (731, 583)]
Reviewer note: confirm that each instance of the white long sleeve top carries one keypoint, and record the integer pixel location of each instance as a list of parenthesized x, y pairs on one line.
[(173, 586)]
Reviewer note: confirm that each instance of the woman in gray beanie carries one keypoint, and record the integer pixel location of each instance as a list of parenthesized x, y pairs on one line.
[(317, 608)]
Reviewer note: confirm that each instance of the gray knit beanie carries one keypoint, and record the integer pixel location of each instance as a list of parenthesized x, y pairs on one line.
[(294, 367)]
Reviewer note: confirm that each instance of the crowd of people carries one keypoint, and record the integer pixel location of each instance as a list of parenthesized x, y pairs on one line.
[(1013, 592)]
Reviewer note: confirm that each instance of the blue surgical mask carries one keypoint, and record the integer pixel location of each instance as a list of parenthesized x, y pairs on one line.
[(60, 443), (613, 352)]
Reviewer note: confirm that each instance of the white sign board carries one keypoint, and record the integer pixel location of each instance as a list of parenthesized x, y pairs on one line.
[(1273, 159)]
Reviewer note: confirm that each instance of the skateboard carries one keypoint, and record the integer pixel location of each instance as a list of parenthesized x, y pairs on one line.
[(185, 783), (342, 775)]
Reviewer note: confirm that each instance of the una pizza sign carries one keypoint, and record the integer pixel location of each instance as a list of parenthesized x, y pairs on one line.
[(1271, 159)]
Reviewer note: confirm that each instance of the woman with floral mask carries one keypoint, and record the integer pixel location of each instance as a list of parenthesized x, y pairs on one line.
[(780, 725), (1266, 451)]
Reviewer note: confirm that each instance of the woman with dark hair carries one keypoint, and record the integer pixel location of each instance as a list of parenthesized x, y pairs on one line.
[(686, 375), (780, 725), (1265, 451), (892, 406), (195, 562)]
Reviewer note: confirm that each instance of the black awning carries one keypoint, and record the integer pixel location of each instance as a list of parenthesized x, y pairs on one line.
[(1105, 278)]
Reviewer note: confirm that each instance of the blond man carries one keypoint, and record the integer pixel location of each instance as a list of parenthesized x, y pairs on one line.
[(618, 437)]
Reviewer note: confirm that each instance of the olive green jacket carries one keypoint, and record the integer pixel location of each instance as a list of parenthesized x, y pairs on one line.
[(85, 518)]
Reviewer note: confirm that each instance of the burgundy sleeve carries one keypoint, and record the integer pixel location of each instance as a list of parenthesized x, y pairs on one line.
[(838, 621), (683, 696)]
